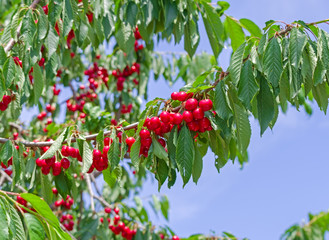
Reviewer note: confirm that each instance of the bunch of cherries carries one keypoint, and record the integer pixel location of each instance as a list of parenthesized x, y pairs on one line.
[(67, 221), (122, 76)]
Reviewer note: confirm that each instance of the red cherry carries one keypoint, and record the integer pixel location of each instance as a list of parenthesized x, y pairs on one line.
[(107, 210), (97, 154), (146, 142), (15, 135), (45, 9), (101, 220), (191, 104), (116, 210), (6, 99), (45, 170), (144, 134), (121, 225), (175, 237), (107, 141), (154, 123), (162, 142), (198, 114), (165, 117), (162, 236), (187, 116), (64, 151), (105, 151), (204, 123), (55, 191), (58, 203), (130, 141), (65, 163), (193, 126), (72, 152), (117, 218), (174, 96), (182, 96), (206, 104), (177, 119), (57, 168)]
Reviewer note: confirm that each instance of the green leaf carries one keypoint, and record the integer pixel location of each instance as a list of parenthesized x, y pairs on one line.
[(125, 37), (321, 95), (164, 206), (131, 13), (56, 145), (235, 32), (265, 105), (323, 48), (3, 56), (46, 191), (297, 43), (4, 233), (44, 210), (16, 225), (9, 72), (185, 154), (113, 154), (248, 86), (63, 184), (171, 12), (52, 41), (197, 164), (236, 64), (243, 129), (134, 153), (159, 151), (161, 172), (6, 152), (272, 62), (220, 102), (87, 156), (34, 227), (42, 24), (191, 37), (251, 27), (38, 82), (100, 139)]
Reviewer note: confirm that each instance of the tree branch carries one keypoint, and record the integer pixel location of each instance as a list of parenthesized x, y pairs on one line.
[(3, 173), (91, 193)]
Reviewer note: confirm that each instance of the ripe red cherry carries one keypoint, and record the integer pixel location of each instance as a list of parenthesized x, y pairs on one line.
[(57, 168), (116, 210), (45, 170), (162, 236), (117, 218), (193, 126), (177, 118), (101, 220), (6, 99), (97, 154), (58, 203), (162, 142), (107, 210), (165, 117), (15, 135), (182, 96), (204, 123), (144, 134), (205, 105), (174, 96), (146, 142), (175, 237), (187, 116), (45, 9), (64, 151), (55, 191), (130, 141), (71, 151), (154, 123), (198, 114), (107, 141), (191, 104), (65, 163)]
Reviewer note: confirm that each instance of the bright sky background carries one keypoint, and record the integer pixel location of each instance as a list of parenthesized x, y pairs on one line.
[(287, 174)]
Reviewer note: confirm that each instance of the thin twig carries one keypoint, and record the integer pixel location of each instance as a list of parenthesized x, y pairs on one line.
[(3, 173), (95, 184), (91, 193)]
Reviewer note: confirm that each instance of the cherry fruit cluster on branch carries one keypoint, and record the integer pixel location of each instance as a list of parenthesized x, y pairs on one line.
[(6, 100)]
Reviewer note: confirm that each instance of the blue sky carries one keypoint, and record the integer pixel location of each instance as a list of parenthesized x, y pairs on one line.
[(286, 177)]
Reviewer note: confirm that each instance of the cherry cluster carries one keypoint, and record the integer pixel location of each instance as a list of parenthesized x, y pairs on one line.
[(121, 76), (66, 204), (95, 75), (6, 100), (51, 163), (67, 221), (118, 226), (137, 45), (55, 90)]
